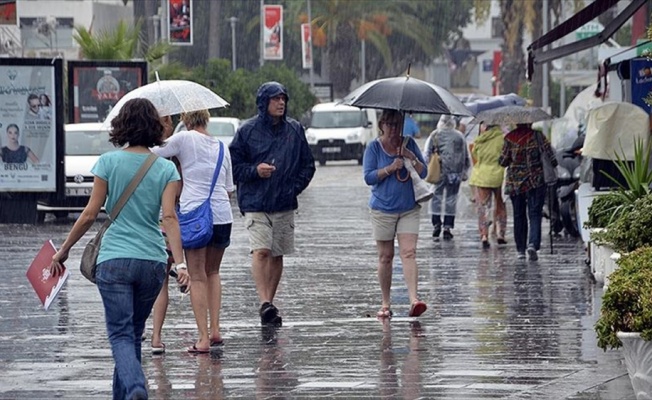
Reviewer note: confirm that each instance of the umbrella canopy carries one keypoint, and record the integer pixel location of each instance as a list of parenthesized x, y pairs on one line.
[(510, 115), (489, 103), (172, 97), (406, 94)]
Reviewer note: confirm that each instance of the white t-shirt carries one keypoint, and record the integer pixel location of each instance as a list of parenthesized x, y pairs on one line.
[(198, 155)]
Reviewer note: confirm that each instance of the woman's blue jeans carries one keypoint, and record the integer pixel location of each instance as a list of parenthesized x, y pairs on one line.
[(528, 206), (128, 288)]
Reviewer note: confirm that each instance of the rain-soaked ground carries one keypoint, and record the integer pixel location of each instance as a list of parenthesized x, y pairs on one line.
[(496, 327)]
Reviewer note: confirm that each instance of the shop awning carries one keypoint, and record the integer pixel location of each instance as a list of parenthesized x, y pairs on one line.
[(537, 54)]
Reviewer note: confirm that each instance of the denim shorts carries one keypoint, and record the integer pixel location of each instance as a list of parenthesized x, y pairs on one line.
[(221, 236)]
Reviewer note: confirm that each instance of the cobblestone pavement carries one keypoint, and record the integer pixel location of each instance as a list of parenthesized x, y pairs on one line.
[(496, 327)]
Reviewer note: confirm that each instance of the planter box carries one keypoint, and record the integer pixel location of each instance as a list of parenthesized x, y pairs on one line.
[(603, 261), (638, 358)]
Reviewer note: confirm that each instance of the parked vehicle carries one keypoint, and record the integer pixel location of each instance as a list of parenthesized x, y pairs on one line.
[(84, 145), (339, 132), (568, 172), (222, 127)]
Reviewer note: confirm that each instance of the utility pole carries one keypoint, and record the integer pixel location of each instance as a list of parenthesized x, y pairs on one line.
[(262, 32), (312, 63), (233, 20), (545, 86)]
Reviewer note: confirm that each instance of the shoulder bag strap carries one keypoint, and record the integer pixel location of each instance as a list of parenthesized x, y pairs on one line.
[(135, 181), (218, 167)]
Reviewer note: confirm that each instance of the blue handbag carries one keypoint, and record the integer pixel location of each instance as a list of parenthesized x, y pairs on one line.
[(196, 226)]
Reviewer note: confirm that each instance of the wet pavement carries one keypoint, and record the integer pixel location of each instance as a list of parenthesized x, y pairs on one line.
[(496, 327)]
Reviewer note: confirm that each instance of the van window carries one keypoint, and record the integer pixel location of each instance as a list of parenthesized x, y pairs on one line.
[(88, 143), (338, 119)]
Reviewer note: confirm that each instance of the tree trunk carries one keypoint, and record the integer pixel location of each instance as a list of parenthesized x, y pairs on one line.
[(512, 70), (217, 19), (536, 86), (344, 60)]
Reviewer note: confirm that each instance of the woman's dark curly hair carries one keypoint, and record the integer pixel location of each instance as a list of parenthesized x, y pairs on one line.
[(137, 124)]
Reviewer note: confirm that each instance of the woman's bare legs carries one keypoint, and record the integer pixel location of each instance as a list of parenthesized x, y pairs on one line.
[(214, 289), (196, 260), (158, 314), (385, 258), (407, 246)]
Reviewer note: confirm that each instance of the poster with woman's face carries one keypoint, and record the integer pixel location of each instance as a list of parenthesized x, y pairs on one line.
[(27, 128)]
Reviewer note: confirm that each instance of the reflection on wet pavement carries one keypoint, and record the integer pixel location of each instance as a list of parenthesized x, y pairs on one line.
[(496, 327)]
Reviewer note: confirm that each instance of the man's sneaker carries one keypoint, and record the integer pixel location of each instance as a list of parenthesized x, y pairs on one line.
[(269, 314), (532, 253), (437, 231), (447, 234)]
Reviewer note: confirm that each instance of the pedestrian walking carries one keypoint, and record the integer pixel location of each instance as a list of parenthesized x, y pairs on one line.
[(132, 258), (486, 182), (198, 153), (272, 165), (525, 185), (393, 208), (455, 163)]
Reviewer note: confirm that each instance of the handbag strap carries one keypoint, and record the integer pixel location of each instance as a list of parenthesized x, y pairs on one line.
[(218, 167), (135, 181)]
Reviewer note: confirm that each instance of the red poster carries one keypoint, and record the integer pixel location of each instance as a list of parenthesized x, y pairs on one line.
[(306, 47), (273, 32), (8, 13), (180, 22)]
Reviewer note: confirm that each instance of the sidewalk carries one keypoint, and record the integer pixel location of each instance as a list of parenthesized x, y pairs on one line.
[(496, 327)]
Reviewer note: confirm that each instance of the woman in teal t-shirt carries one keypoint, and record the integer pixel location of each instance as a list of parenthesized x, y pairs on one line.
[(131, 265)]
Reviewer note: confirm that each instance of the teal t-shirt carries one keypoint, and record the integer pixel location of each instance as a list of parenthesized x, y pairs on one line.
[(135, 233)]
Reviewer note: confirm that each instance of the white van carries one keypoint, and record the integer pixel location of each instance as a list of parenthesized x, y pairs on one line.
[(339, 132)]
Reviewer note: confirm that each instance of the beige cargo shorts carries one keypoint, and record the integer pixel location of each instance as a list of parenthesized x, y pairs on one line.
[(271, 231)]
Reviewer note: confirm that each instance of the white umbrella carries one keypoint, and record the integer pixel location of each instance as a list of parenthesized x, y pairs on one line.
[(171, 97)]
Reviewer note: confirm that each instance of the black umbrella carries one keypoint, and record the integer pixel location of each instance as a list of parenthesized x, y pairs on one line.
[(406, 94)]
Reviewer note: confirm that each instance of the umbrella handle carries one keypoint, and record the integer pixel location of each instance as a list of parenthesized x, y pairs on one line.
[(398, 175)]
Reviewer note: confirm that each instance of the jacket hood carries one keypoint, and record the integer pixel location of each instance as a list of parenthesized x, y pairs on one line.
[(489, 135), (265, 92)]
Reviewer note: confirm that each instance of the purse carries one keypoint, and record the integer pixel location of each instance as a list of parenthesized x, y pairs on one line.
[(434, 164), (549, 171), (196, 226), (88, 264)]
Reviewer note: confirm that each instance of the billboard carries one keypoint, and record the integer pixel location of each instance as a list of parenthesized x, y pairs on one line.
[(641, 81), (31, 125), (94, 87), (180, 22), (273, 32), (306, 46)]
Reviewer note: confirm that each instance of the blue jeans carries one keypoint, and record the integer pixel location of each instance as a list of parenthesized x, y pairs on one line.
[(528, 205), (128, 288)]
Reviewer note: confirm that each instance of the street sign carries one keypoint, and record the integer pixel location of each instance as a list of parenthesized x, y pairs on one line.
[(588, 30)]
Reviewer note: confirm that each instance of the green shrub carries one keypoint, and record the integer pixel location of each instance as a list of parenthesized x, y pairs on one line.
[(604, 210), (631, 230), (627, 302)]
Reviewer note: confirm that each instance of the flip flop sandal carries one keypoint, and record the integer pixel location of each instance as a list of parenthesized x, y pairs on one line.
[(158, 349), (217, 342), (195, 350), (384, 312), (417, 308)]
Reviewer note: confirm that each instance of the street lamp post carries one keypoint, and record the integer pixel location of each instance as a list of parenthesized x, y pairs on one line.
[(233, 20)]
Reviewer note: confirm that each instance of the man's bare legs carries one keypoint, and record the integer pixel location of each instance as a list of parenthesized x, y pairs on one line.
[(213, 262), (267, 271), (385, 258)]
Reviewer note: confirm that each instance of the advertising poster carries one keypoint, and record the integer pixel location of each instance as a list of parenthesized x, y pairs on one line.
[(28, 128), (306, 56), (8, 12), (180, 22), (94, 87), (273, 32), (641, 78)]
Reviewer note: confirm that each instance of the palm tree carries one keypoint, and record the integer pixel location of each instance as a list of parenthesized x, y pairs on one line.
[(122, 43)]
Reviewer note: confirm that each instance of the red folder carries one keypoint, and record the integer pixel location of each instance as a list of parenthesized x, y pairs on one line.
[(45, 285)]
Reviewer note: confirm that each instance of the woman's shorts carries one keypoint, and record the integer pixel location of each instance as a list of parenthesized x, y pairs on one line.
[(221, 236), (387, 225)]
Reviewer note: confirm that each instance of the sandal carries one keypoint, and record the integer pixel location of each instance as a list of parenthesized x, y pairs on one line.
[(217, 341), (158, 349), (384, 312), (417, 308)]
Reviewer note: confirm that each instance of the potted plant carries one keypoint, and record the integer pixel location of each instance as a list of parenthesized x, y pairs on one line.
[(626, 317)]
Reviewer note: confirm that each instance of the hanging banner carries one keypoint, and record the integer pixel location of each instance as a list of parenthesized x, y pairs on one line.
[(306, 45), (641, 81), (29, 119), (180, 22), (273, 32), (94, 87)]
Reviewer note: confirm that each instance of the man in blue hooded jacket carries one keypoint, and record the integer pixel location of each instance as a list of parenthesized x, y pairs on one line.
[(272, 165)]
